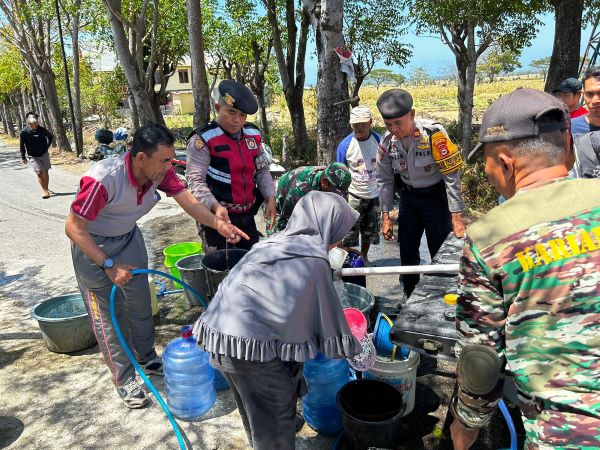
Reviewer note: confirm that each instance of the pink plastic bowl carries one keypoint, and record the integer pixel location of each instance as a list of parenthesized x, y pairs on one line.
[(357, 322)]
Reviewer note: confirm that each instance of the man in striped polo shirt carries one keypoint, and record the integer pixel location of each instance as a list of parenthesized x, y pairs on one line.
[(107, 244)]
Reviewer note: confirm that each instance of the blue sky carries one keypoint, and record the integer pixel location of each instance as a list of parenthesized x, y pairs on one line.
[(438, 55)]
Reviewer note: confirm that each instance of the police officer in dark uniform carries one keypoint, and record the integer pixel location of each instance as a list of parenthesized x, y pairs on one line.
[(227, 168), (418, 158)]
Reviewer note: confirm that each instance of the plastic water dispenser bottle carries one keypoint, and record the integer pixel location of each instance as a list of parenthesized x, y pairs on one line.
[(188, 377), (324, 378)]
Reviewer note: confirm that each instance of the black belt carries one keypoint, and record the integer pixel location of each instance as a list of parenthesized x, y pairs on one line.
[(423, 190), (531, 406)]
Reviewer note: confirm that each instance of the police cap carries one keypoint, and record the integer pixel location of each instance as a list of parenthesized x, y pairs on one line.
[(394, 103), (238, 96)]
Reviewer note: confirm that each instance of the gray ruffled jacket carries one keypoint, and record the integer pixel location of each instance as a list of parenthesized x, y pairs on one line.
[(279, 301)]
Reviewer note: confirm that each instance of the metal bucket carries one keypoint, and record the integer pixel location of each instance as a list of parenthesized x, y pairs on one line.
[(402, 374), (64, 323), (193, 273), (358, 297), (218, 264)]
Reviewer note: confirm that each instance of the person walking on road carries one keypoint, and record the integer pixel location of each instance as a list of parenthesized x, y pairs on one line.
[(107, 244), (529, 283), (35, 140)]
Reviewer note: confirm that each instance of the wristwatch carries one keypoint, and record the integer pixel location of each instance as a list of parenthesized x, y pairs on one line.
[(107, 264)]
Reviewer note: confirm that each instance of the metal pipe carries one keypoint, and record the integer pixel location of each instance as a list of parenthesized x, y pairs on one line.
[(404, 270)]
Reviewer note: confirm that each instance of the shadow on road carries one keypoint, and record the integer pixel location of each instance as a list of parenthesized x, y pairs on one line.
[(10, 430)]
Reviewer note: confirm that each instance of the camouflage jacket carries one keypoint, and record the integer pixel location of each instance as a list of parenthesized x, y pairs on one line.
[(530, 288), (291, 187)]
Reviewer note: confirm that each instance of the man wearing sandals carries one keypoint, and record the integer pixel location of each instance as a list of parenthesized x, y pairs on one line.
[(35, 141)]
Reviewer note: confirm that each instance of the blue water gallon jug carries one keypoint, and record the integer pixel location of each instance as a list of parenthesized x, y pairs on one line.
[(324, 378), (188, 377), (220, 382)]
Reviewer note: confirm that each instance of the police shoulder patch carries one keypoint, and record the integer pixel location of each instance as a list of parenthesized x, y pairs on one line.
[(199, 143)]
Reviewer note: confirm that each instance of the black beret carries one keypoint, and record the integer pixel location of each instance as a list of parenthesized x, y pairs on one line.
[(238, 96), (394, 103)]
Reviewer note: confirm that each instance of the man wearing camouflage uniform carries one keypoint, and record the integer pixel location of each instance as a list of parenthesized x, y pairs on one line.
[(530, 283), (293, 185)]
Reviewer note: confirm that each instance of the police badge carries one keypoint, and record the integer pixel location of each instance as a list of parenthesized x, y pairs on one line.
[(251, 144), (227, 98)]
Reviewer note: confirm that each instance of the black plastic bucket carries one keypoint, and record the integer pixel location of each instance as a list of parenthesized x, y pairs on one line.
[(371, 413), (218, 264)]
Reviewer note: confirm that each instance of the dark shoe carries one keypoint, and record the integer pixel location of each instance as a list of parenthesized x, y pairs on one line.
[(153, 367), (133, 395)]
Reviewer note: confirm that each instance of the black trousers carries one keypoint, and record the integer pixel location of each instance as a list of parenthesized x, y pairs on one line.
[(244, 222), (266, 395), (421, 210)]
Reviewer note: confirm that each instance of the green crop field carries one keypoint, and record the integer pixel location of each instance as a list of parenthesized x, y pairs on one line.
[(434, 100)]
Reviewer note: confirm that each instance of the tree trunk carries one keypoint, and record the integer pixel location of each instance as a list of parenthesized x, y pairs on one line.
[(42, 110), (202, 103), (466, 65), (17, 102), (213, 83), (9, 121), (35, 92), (294, 100), (333, 111), (564, 62), (133, 111), (26, 100), (78, 125), (290, 62), (262, 110), (55, 116), (356, 89), (3, 118), (157, 100), (131, 68)]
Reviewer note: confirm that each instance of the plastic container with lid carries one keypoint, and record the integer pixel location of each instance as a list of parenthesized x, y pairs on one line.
[(188, 377)]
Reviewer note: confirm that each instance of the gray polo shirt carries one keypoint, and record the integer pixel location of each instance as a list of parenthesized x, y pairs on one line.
[(110, 199)]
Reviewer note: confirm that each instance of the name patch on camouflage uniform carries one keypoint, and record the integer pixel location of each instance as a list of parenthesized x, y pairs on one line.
[(544, 253), (445, 154)]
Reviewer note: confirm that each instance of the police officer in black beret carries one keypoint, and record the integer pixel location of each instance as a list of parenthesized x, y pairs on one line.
[(417, 158), (227, 169)]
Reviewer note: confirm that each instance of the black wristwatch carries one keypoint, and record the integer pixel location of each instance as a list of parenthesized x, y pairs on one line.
[(107, 264)]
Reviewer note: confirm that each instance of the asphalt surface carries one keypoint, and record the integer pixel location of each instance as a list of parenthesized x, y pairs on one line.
[(53, 400)]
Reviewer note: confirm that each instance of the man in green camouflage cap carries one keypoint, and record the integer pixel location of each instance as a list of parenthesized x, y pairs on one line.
[(529, 283), (296, 183)]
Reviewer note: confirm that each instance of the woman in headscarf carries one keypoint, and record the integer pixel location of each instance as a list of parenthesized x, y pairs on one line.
[(276, 309)]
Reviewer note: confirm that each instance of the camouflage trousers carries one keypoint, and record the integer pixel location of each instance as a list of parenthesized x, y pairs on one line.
[(554, 430), (367, 225)]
